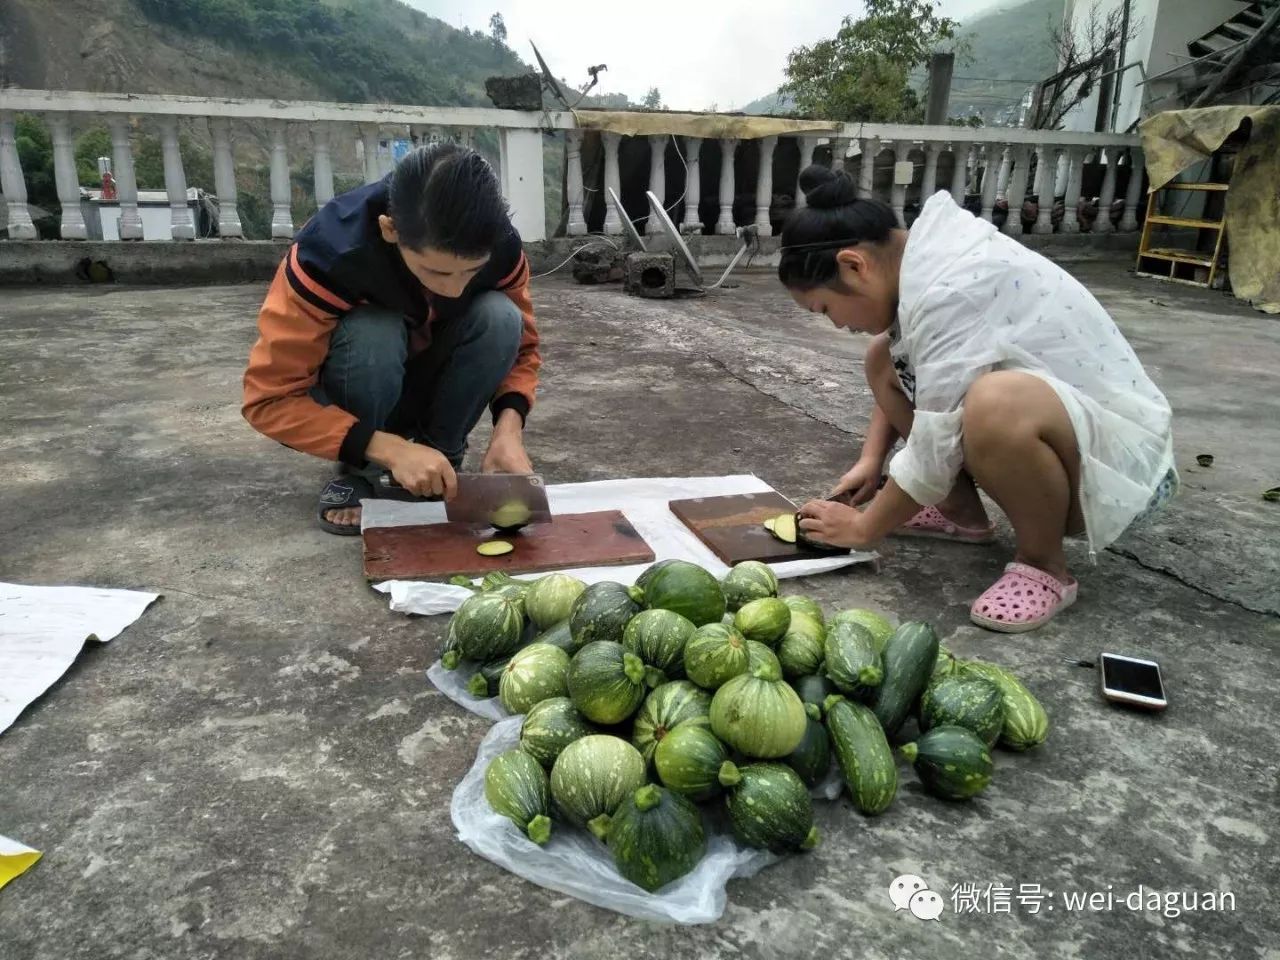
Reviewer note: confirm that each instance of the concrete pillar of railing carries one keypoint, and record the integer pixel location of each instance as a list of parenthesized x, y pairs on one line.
[(1075, 170), (372, 169), (1133, 193), (929, 177), (612, 181), (281, 192), (466, 136), (1020, 157), (898, 192), (224, 179), (520, 173), (68, 181), (807, 146), (130, 223), (764, 186), (870, 146), (1046, 178), (322, 162), (657, 177), (840, 154), (14, 187), (959, 171), (1006, 167), (725, 225), (573, 182), (1107, 196), (182, 227), (990, 177), (692, 185)]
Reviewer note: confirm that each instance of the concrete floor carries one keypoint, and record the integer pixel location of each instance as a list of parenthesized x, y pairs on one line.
[(258, 769)]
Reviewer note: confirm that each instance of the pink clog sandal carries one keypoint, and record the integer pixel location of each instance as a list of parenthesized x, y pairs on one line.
[(1021, 600), (930, 523)]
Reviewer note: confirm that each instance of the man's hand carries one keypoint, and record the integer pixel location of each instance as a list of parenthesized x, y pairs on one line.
[(423, 470), (859, 484), (835, 524), (506, 453)]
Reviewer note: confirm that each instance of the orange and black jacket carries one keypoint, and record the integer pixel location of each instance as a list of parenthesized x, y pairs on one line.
[(337, 262)]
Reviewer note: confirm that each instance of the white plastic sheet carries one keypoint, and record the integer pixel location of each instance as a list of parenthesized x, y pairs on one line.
[(643, 501), (574, 863)]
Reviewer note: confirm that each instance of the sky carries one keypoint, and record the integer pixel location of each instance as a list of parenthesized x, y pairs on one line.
[(698, 53)]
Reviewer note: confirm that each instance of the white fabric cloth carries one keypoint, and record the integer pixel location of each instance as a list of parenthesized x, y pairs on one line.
[(972, 300), (643, 500)]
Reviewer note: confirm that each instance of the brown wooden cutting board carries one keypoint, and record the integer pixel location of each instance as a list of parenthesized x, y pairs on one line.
[(438, 551), (732, 526)]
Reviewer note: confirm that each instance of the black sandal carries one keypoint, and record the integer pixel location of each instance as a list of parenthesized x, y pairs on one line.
[(347, 490)]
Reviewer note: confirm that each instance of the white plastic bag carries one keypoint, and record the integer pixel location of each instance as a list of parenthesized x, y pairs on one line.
[(574, 863), (453, 684)]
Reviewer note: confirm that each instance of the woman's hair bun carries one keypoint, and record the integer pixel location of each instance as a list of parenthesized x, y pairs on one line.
[(826, 189)]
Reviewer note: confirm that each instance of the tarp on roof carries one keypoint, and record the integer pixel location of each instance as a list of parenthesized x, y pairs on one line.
[(707, 125)]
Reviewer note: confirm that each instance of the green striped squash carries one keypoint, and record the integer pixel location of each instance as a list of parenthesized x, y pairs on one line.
[(852, 661), (944, 666), (972, 702), (550, 599), (606, 683), (814, 689), (769, 807), (488, 626), (684, 588), (880, 628), (863, 753), (1026, 725), (591, 778), (764, 620), (656, 837), (666, 708), (802, 649), (908, 661), (516, 787), (549, 727), (558, 635), (535, 673), (812, 758), (658, 637), (602, 612), (713, 654), (807, 605), (688, 761), (758, 714), (951, 762), (747, 581)]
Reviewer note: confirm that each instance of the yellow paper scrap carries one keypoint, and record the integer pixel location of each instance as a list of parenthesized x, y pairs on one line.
[(15, 859)]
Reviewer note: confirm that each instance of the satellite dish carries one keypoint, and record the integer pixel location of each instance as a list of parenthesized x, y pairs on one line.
[(659, 216), (627, 225)]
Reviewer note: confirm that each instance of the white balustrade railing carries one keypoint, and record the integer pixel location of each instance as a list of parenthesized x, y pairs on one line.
[(989, 167)]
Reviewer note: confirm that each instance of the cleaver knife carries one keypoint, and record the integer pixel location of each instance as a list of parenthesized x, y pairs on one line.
[(504, 501)]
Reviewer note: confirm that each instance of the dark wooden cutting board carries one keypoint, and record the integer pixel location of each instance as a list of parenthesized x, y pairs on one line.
[(438, 551), (732, 526)]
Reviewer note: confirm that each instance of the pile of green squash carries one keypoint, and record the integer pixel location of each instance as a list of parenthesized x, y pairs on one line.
[(643, 705)]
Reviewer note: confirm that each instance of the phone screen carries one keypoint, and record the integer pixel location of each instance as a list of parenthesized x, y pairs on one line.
[(1140, 679)]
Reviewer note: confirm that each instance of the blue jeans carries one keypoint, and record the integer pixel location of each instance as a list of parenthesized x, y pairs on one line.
[(435, 397)]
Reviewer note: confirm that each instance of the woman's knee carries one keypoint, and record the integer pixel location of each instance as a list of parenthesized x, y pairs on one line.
[(1009, 407)]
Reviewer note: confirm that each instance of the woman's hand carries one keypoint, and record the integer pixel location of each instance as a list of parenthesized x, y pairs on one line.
[(860, 484), (835, 524)]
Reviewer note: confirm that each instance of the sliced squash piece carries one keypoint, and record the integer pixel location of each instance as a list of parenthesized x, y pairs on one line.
[(494, 548), (784, 527)]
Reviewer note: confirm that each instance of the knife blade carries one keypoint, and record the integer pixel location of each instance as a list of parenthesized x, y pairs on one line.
[(505, 501)]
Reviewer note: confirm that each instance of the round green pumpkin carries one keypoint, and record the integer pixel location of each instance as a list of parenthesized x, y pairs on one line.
[(971, 702), (758, 714), (535, 673), (851, 659), (656, 837), (591, 778), (602, 612), (684, 588), (802, 648), (764, 620), (944, 666), (516, 787), (550, 599), (487, 626), (688, 761), (667, 707), (747, 581), (713, 654), (769, 807), (606, 683), (549, 727), (758, 654), (879, 628), (658, 637), (799, 604)]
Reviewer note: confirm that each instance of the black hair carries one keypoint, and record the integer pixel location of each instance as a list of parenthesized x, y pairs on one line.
[(447, 197), (834, 219)]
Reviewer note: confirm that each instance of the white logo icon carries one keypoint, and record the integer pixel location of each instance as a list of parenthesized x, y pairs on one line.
[(926, 905), (904, 888)]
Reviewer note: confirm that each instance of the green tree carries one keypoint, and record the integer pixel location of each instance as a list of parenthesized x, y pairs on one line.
[(498, 29), (652, 99), (863, 73)]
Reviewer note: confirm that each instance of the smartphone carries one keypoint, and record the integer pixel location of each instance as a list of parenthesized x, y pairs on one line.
[(1133, 682)]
